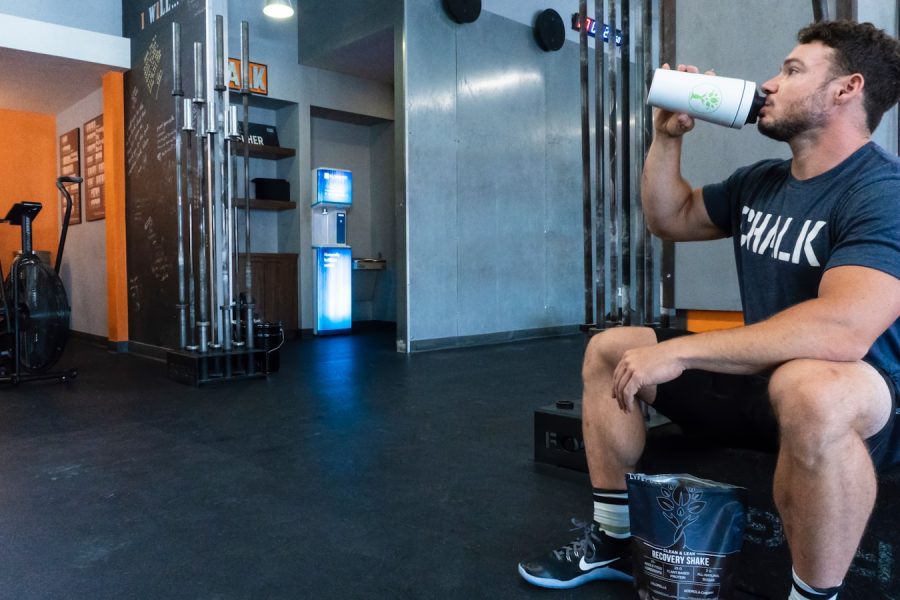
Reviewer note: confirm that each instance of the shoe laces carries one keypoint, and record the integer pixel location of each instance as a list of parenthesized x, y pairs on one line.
[(584, 545)]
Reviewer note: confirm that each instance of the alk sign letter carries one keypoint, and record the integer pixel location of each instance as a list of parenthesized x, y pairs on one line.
[(259, 77)]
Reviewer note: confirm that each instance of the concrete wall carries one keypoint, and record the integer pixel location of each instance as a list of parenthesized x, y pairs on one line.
[(341, 145), (84, 259), (383, 230), (884, 15), (749, 42), (324, 28)]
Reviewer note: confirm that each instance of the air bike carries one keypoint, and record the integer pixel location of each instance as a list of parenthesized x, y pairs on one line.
[(34, 309)]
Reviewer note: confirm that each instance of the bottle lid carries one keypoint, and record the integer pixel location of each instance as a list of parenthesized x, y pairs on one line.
[(745, 110), (759, 100)]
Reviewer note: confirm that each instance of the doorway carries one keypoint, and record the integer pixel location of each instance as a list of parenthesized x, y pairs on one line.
[(364, 145)]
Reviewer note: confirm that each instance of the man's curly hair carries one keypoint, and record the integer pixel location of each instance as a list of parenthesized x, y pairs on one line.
[(865, 49)]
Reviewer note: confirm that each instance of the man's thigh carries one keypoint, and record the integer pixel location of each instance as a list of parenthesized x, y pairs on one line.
[(735, 410), (858, 395)]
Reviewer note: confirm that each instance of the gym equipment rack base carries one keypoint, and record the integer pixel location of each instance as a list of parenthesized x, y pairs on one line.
[(15, 379), (215, 365)]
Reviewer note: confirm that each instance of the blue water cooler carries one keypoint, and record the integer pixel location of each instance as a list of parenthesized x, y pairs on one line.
[(332, 199)]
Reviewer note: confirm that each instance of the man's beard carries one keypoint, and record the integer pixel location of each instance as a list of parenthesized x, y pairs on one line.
[(801, 117)]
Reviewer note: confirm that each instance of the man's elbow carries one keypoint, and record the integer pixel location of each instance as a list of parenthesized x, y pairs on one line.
[(847, 353), (653, 224), (851, 347), (661, 232)]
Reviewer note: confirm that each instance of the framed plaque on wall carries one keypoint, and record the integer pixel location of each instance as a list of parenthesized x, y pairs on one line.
[(70, 165), (94, 176)]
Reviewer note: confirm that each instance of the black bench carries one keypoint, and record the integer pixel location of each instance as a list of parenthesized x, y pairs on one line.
[(765, 562)]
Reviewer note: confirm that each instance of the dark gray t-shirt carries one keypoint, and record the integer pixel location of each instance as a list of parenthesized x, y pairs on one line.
[(788, 232)]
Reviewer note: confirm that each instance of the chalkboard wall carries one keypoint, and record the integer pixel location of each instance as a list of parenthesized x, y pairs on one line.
[(150, 202)]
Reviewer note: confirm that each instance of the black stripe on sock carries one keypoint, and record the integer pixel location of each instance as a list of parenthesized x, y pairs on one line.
[(804, 593), (818, 594), (606, 496)]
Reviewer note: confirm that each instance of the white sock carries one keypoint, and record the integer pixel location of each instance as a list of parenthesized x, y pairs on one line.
[(611, 512), (803, 591)]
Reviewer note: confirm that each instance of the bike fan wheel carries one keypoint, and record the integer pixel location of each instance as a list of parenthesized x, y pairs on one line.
[(44, 313)]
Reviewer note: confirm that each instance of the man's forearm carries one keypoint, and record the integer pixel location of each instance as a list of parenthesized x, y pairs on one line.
[(811, 329)]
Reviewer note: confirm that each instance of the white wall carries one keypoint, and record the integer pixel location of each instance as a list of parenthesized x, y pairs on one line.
[(102, 16), (383, 224), (347, 146), (83, 268)]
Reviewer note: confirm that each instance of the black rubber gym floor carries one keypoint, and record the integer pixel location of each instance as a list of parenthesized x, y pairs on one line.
[(354, 472)]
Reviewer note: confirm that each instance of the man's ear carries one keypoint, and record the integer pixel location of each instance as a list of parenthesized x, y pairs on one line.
[(851, 88)]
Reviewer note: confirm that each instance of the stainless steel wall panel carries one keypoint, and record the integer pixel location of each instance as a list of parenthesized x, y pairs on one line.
[(493, 230), (477, 230), (502, 146), (431, 190), (563, 227)]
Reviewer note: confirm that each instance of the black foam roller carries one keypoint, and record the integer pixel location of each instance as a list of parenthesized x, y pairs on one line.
[(463, 11), (549, 30)]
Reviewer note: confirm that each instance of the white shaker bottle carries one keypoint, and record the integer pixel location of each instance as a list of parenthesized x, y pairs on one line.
[(721, 100)]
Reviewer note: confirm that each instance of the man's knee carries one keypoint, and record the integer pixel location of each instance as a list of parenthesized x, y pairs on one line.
[(806, 399), (606, 348)]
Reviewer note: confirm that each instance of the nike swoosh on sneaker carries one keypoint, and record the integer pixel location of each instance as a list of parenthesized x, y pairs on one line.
[(586, 566)]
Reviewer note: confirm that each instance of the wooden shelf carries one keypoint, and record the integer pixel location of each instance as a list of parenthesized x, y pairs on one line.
[(271, 152), (263, 204)]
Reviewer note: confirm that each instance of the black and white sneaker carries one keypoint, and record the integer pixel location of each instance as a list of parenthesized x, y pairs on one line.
[(593, 557)]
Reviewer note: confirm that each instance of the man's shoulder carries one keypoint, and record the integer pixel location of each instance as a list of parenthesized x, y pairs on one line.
[(876, 173), (878, 163)]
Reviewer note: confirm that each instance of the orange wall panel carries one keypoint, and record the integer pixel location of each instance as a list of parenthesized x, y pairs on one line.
[(114, 166), (28, 157), (709, 320)]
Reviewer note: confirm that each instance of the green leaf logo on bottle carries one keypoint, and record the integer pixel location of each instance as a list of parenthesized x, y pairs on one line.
[(705, 98)]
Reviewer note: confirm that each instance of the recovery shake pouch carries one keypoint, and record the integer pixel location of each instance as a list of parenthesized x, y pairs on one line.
[(686, 536)]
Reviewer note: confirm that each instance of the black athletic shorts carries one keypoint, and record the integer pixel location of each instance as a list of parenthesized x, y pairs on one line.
[(734, 410)]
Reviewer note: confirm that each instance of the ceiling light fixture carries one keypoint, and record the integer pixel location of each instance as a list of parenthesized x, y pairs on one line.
[(278, 9)]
